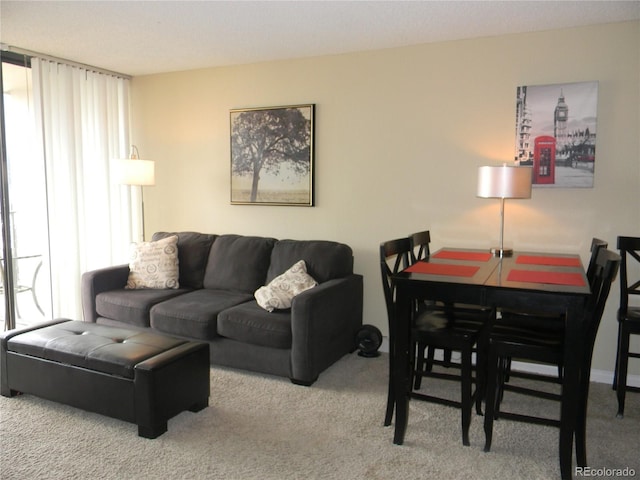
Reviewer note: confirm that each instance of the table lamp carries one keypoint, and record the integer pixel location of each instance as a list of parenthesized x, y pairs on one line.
[(502, 182)]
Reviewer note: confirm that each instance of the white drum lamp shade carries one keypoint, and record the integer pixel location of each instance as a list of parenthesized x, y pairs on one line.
[(134, 172), (504, 182)]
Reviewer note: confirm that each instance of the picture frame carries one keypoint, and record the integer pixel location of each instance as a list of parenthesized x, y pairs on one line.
[(272, 155), (556, 133)]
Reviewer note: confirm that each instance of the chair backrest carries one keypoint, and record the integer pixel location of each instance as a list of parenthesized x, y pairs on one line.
[(630, 254), (605, 271), (596, 246), (419, 241), (394, 257)]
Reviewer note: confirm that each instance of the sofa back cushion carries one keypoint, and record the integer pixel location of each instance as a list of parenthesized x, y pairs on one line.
[(238, 263), (193, 253), (325, 260)]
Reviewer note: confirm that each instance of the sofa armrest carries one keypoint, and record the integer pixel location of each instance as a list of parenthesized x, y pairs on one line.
[(98, 281), (324, 323)]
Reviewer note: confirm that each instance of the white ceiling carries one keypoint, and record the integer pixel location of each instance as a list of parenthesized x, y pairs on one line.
[(146, 37)]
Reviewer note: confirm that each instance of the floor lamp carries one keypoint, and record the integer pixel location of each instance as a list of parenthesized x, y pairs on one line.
[(504, 182), (134, 171)]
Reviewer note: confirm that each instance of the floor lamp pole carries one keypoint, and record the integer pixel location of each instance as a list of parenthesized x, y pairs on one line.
[(142, 205), (135, 172)]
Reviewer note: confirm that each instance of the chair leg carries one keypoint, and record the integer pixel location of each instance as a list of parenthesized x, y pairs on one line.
[(391, 399), (621, 369), (391, 403), (491, 386), (615, 369), (481, 376), (421, 364), (467, 398), (503, 376), (447, 357), (507, 369), (431, 353)]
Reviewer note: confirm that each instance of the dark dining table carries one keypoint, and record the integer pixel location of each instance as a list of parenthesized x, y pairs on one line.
[(528, 281)]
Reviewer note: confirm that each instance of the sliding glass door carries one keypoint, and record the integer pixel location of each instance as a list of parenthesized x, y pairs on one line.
[(25, 286)]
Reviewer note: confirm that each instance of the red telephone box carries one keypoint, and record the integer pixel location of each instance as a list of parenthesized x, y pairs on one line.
[(544, 160)]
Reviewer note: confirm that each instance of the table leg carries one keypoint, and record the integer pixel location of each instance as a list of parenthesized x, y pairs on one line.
[(571, 382), (581, 424)]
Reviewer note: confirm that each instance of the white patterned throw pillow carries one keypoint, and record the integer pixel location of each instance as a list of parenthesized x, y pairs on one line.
[(281, 290), (154, 264)]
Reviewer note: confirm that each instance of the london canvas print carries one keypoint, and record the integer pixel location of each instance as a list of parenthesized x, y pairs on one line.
[(556, 133), (272, 155)]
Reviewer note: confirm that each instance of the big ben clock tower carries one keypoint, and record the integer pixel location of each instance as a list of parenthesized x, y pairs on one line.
[(560, 117)]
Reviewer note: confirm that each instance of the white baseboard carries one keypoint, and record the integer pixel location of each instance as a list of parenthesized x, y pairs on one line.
[(598, 376)]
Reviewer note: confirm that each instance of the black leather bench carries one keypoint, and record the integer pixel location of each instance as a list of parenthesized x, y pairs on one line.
[(132, 375)]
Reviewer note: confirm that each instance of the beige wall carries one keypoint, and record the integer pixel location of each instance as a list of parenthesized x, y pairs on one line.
[(399, 136)]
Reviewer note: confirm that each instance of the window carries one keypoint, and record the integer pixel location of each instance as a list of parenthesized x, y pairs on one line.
[(25, 286)]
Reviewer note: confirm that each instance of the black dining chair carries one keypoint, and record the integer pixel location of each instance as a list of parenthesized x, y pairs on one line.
[(442, 329), (529, 345), (545, 326), (394, 257), (628, 316), (420, 245), (426, 357), (419, 250)]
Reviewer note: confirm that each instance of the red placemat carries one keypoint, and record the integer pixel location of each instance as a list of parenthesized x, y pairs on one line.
[(455, 255), (544, 260), (443, 269), (555, 278)]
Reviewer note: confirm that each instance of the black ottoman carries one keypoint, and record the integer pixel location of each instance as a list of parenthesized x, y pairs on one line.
[(137, 376)]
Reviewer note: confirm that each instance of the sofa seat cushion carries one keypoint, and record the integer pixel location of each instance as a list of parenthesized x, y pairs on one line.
[(195, 314), (239, 263), (132, 306), (250, 323)]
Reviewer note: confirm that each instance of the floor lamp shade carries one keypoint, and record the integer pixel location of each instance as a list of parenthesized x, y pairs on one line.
[(134, 172), (504, 182)]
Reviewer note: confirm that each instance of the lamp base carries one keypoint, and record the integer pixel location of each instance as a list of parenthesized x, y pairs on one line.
[(502, 252)]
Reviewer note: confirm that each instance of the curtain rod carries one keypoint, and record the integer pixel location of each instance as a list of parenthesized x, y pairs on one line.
[(29, 53)]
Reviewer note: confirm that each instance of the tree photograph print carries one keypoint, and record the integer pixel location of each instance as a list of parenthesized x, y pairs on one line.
[(272, 155)]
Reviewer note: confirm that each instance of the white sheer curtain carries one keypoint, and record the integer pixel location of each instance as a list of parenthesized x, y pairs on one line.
[(83, 117)]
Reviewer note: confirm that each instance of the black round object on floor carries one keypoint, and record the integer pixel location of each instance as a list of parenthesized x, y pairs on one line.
[(368, 340)]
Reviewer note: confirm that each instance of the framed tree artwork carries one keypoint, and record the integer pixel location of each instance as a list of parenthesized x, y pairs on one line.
[(556, 133), (272, 155)]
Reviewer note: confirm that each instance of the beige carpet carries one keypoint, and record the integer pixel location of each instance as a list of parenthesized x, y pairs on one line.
[(260, 427)]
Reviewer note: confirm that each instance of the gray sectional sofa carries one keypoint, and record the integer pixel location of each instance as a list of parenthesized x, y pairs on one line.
[(218, 275)]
